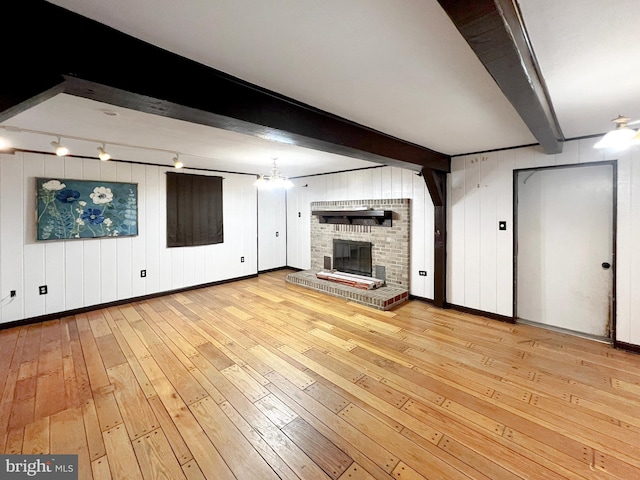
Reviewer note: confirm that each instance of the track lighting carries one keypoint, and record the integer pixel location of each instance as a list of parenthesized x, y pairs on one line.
[(177, 163), (103, 154), (60, 149)]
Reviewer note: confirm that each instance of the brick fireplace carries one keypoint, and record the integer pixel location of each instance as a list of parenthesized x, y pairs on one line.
[(390, 245), (389, 237)]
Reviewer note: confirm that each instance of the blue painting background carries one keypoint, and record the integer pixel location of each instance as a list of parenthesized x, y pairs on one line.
[(69, 209)]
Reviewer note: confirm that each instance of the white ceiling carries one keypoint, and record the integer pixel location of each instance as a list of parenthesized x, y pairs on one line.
[(398, 66)]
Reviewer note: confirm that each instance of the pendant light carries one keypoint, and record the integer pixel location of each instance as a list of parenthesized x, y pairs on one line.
[(274, 180), (619, 138)]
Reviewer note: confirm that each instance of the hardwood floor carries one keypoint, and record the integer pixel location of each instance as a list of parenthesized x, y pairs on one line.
[(259, 379)]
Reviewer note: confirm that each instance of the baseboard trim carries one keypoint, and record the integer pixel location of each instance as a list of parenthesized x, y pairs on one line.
[(481, 313), (629, 347), (421, 299), (77, 311), (277, 269)]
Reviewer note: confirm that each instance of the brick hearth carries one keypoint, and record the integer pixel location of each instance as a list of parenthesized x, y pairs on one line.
[(383, 298)]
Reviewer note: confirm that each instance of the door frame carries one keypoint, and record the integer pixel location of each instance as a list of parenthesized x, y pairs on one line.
[(614, 234)]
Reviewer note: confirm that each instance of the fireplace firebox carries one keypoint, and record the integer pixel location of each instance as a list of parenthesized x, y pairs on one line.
[(350, 256)]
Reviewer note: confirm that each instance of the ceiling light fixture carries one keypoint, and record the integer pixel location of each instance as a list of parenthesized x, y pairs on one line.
[(103, 154), (60, 149), (275, 180), (176, 162), (619, 138)]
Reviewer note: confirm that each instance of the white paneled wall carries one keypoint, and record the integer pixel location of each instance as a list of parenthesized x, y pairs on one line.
[(272, 229), (83, 273), (480, 257), (376, 183)]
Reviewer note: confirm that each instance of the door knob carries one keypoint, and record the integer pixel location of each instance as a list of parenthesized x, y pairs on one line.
[(606, 265)]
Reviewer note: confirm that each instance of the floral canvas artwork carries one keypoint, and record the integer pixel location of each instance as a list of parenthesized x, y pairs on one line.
[(72, 209)]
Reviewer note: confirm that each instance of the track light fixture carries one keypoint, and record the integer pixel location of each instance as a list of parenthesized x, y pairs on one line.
[(60, 149), (103, 154), (275, 180), (176, 162)]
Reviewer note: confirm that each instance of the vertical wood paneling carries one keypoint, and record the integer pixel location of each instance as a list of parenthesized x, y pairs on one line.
[(139, 242), (199, 260), (463, 210), (456, 231), (396, 182), (90, 272), (420, 247), (633, 260), (570, 154), (355, 186), (33, 259), (488, 231), (367, 185), (587, 153), (54, 260), (376, 183), (472, 231), (504, 239), (386, 183), (165, 261), (108, 249), (73, 252), (272, 213), (91, 249), (124, 270), (11, 244), (188, 266), (154, 240), (625, 246)]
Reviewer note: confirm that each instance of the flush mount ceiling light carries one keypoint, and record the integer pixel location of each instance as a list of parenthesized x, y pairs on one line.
[(621, 137), (274, 180), (103, 154), (60, 149), (177, 163)]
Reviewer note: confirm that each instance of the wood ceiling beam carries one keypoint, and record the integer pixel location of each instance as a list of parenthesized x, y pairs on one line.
[(495, 32), (100, 63)]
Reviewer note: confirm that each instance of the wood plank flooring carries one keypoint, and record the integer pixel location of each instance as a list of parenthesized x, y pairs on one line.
[(259, 379)]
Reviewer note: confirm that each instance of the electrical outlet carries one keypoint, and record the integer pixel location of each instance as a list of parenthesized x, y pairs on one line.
[(299, 214), (13, 293), (241, 259), (277, 234), (143, 273), (422, 273), (43, 289)]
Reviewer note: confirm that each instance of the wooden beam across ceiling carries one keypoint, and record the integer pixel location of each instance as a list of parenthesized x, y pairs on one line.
[(69, 53), (495, 31)]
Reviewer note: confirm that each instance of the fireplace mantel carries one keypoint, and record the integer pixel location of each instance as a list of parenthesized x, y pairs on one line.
[(382, 218)]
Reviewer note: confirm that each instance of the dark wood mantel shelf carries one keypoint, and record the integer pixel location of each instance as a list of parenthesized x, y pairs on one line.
[(355, 217)]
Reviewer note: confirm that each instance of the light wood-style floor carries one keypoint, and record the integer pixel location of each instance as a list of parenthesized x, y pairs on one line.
[(258, 379)]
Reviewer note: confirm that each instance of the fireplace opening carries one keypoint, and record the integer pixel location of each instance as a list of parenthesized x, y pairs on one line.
[(354, 257)]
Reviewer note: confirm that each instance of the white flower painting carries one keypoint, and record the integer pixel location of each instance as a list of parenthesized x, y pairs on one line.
[(76, 209)]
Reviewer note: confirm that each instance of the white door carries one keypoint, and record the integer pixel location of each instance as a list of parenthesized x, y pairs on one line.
[(564, 247)]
